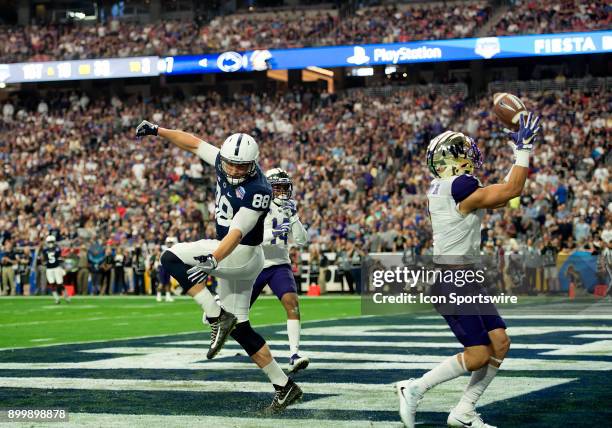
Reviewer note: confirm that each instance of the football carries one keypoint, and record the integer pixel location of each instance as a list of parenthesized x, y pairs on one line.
[(508, 108)]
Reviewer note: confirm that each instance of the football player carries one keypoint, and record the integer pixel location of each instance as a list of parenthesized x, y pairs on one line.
[(282, 223), (52, 257), (236, 257), (457, 202)]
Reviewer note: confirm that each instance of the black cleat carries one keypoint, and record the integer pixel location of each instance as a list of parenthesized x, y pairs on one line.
[(220, 331), (285, 396)]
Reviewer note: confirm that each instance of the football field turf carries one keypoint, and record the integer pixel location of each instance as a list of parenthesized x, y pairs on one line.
[(558, 372)]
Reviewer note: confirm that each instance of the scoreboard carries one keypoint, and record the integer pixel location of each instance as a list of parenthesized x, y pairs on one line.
[(108, 68)]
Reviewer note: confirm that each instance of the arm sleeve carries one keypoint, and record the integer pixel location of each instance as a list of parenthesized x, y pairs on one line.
[(207, 152), (463, 186), (298, 233), (245, 220)]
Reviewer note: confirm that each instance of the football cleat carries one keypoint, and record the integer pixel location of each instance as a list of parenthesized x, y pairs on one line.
[(469, 419), (158, 298), (297, 363), (220, 331), (409, 399), (284, 396)]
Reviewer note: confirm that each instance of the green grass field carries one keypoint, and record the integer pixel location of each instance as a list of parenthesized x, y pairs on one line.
[(132, 362), (36, 321)]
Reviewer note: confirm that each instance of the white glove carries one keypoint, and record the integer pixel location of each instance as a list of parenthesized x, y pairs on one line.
[(199, 272)]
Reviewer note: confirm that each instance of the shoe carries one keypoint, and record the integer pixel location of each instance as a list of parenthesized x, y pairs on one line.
[(409, 399), (284, 396), (220, 331), (57, 301), (297, 363), (169, 298), (469, 419), (159, 299)]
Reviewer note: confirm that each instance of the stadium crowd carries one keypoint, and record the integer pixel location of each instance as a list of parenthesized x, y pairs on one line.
[(72, 168), (554, 16), (398, 23), (239, 32)]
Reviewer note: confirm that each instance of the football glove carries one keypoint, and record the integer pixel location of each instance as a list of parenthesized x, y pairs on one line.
[(146, 128), (527, 133), (199, 272), (281, 230), (290, 207)]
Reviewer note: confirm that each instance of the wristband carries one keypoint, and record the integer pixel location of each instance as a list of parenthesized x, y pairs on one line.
[(522, 158), (214, 262)]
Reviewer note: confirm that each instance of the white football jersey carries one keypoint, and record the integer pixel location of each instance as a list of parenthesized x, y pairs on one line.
[(276, 250), (456, 237)]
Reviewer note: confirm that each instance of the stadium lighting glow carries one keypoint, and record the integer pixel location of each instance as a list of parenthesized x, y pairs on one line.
[(362, 71), (390, 69)]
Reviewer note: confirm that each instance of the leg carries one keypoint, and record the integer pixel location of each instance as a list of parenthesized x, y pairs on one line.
[(103, 276), (79, 281), (11, 276), (59, 279), (164, 280), (287, 392), (349, 281), (471, 331), (481, 378), (283, 285), (129, 279), (50, 275), (4, 281), (174, 261), (260, 282)]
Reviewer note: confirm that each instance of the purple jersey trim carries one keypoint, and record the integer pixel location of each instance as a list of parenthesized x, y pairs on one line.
[(463, 186)]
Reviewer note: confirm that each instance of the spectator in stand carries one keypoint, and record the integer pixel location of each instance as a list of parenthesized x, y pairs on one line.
[(139, 262), (128, 269), (360, 170), (119, 273), (106, 269), (83, 272), (554, 16), (549, 250), (96, 255), (241, 32), (9, 266), (24, 263)]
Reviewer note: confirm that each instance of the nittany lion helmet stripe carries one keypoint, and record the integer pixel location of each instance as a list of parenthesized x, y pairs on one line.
[(237, 151)]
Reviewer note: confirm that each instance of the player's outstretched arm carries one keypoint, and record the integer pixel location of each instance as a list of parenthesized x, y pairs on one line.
[(184, 140), (298, 231), (498, 195)]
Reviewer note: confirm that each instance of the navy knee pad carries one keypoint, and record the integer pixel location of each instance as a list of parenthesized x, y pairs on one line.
[(248, 338), (176, 268)]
